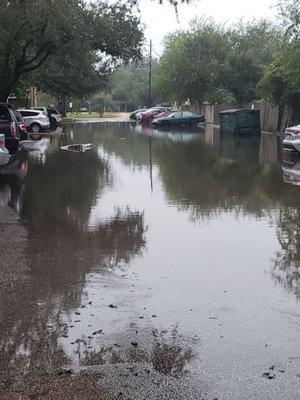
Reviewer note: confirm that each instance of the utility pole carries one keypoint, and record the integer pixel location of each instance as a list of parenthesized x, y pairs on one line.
[(150, 76)]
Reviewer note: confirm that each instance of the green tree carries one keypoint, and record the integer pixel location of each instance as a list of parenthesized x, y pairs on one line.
[(192, 62), (31, 31), (130, 82), (252, 47), (210, 63), (281, 79), (82, 66)]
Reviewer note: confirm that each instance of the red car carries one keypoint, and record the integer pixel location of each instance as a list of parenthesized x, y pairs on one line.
[(147, 116)]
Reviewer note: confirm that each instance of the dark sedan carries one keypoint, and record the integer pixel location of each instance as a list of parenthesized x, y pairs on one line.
[(186, 118)]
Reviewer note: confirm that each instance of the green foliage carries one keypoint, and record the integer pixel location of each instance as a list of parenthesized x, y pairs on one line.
[(30, 32), (281, 78), (102, 101), (130, 83), (290, 12), (210, 63), (67, 38)]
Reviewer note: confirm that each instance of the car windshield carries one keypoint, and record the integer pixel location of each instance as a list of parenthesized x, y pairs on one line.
[(175, 115)]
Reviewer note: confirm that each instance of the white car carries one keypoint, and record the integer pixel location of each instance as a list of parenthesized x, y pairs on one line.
[(36, 120), (51, 112), (4, 154), (291, 139)]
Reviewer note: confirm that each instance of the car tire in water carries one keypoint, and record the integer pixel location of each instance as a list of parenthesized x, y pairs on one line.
[(35, 128)]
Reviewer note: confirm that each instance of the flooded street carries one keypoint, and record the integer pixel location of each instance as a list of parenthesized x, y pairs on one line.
[(158, 265)]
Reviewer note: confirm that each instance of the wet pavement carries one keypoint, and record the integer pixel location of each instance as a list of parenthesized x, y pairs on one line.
[(156, 265)]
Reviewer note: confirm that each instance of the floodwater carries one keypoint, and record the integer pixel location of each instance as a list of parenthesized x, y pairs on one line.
[(164, 263)]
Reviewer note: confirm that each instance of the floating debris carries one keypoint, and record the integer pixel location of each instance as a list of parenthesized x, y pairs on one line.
[(77, 148)]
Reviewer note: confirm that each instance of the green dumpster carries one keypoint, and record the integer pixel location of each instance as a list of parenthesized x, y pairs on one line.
[(240, 122)]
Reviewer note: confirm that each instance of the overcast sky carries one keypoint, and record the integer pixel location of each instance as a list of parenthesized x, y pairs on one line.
[(161, 19)]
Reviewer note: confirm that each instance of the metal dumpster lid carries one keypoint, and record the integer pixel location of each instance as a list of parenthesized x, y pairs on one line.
[(232, 111)]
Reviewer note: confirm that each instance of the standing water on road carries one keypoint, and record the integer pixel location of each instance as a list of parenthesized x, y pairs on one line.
[(159, 265)]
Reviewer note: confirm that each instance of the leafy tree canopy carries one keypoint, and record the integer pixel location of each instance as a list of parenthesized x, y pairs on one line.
[(211, 63), (33, 32)]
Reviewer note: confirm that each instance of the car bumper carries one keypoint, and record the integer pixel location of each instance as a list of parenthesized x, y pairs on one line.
[(291, 144)]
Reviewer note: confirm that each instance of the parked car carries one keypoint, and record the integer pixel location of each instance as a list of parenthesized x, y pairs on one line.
[(186, 118), (135, 113), (9, 127), (36, 120), (291, 168), (163, 114), (22, 125), (147, 116), (291, 139), (4, 153), (53, 114)]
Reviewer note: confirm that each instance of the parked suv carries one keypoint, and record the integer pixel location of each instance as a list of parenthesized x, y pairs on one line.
[(36, 120), (9, 127), (53, 114)]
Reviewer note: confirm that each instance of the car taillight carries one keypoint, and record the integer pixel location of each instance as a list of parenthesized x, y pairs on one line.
[(2, 141), (13, 129)]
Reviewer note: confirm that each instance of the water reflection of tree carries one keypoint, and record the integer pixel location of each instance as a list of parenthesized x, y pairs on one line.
[(239, 175), (57, 200), (64, 187), (205, 182), (286, 268), (165, 352)]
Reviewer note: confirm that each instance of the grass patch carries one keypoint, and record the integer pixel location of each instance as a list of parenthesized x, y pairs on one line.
[(87, 115)]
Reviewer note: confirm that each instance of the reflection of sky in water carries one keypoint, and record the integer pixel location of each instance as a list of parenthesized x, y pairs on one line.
[(194, 234)]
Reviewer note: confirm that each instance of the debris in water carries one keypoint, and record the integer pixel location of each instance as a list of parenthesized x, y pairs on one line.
[(97, 332), (77, 148)]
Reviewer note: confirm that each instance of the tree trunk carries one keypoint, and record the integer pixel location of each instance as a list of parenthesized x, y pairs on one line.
[(62, 105), (5, 90)]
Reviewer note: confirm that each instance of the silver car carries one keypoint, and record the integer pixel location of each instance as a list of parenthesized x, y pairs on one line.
[(291, 139), (36, 120), (50, 112)]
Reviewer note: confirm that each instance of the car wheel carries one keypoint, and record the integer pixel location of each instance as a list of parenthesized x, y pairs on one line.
[(35, 128)]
